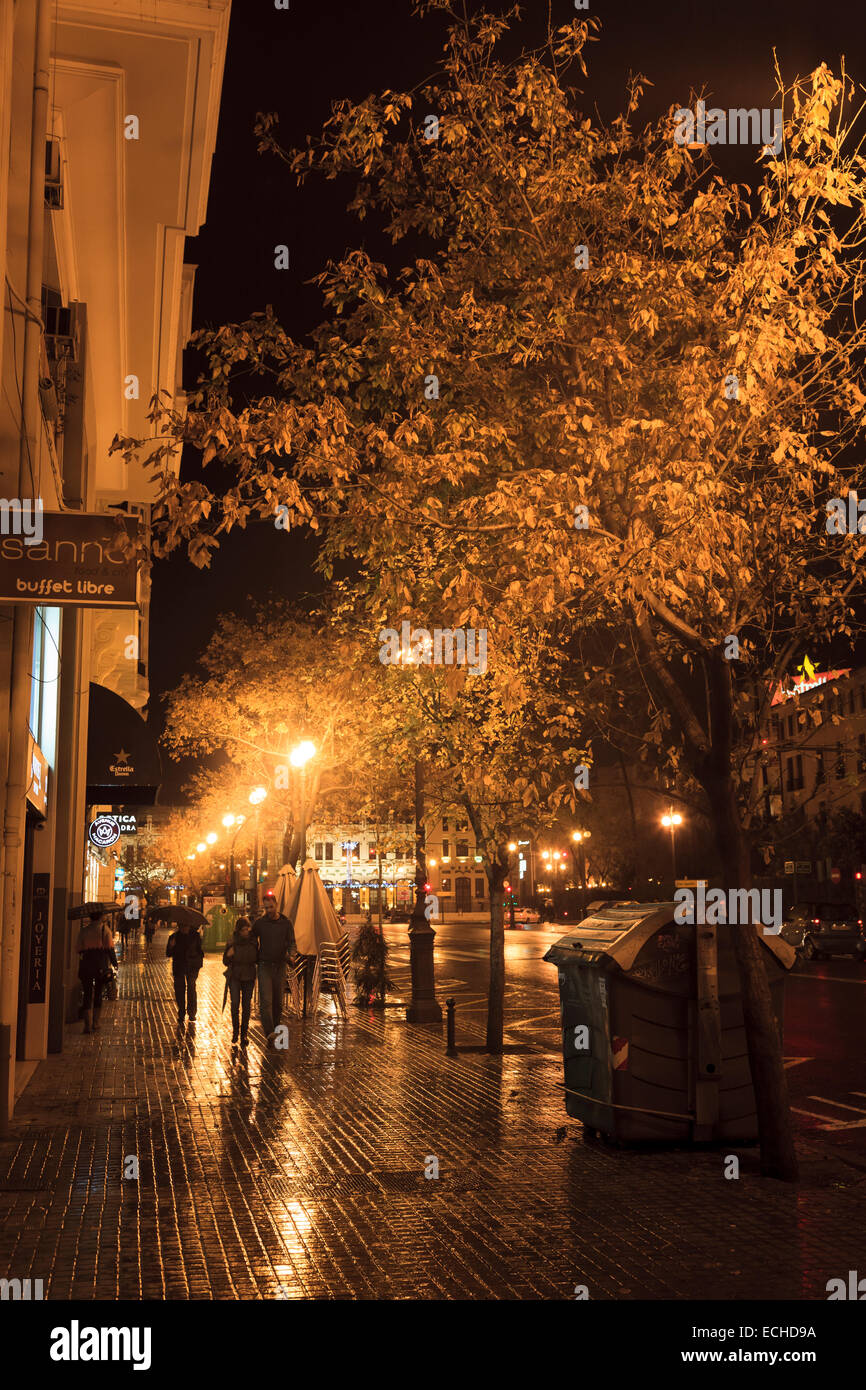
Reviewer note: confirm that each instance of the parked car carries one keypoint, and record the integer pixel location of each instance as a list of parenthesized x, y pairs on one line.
[(397, 914), (523, 917), (817, 929)]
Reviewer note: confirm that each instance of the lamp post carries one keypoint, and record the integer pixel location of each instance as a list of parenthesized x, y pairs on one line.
[(512, 868), (228, 821), (672, 820), (579, 837), (424, 1007), (348, 846), (257, 796)]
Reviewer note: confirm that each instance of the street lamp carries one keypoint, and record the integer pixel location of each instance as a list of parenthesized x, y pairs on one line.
[(237, 822), (672, 820), (580, 837), (212, 838), (257, 796), (512, 870), (302, 753), (424, 1008), (201, 847)]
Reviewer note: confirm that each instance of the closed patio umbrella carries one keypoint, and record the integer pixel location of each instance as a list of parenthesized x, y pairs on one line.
[(286, 880), (318, 933), (309, 907)]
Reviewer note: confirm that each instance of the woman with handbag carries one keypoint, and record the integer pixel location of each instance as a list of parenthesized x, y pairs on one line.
[(95, 957), (241, 958)]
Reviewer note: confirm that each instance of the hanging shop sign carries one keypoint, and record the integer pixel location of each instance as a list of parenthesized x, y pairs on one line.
[(809, 680), (38, 939), (104, 831), (81, 561), (37, 792)]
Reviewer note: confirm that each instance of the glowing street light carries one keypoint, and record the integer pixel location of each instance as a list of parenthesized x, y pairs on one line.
[(212, 838), (201, 847), (302, 753), (257, 795), (671, 821), (228, 820)]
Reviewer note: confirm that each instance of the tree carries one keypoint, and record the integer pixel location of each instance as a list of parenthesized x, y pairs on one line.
[(622, 390), (490, 743), (370, 955), (145, 871), (174, 844), (271, 682)]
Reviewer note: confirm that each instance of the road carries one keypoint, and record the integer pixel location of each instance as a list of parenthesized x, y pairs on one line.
[(825, 1019)]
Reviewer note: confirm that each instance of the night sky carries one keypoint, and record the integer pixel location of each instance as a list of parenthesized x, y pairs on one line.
[(296, 63)]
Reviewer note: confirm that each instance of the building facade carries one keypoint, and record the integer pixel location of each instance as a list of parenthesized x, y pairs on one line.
[(811, 771), (455, 866), (360, 864), (108, 117)]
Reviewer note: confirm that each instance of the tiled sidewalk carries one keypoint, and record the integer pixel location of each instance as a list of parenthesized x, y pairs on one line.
[(301, 1175)]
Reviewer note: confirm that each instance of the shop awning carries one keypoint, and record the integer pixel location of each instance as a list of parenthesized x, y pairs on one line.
[(123, 763)]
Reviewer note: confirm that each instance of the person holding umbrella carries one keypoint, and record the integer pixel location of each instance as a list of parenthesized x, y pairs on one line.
[(96, 953), (184, 948), (241, 957)]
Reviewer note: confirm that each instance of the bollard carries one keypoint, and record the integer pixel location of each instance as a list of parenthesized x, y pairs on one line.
[(451, 1047)]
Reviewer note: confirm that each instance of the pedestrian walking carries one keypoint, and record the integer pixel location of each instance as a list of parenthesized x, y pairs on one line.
[(241, 957), (149, 930), (187, 958), (275, 937), (96, 956)]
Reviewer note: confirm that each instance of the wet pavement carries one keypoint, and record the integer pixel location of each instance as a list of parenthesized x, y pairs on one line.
[(301, 1174)]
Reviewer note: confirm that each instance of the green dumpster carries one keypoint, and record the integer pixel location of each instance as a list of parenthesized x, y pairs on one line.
[(220, 927), (653, 1037)]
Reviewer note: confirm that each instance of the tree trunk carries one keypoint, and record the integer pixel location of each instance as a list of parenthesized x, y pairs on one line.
[(496, 987), (379, 889), (710, 752), (763, 1035), (295, 848), (640, 875)]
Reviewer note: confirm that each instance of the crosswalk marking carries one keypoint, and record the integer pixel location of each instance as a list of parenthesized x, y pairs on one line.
[(858, 1109), (834, 1122)]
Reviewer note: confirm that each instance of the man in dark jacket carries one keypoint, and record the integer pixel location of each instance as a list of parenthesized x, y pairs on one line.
[(187, 958), (275, 936)]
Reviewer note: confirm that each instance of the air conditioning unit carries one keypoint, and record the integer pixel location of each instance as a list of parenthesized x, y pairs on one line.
[(62, 331), (53, 175)]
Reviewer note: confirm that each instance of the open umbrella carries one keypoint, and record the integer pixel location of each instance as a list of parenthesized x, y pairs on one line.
[(309, 907), (181, 916), (91, 909)]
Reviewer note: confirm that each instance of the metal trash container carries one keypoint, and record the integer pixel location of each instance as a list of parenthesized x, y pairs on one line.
[(220, 928), (654, 1042)]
